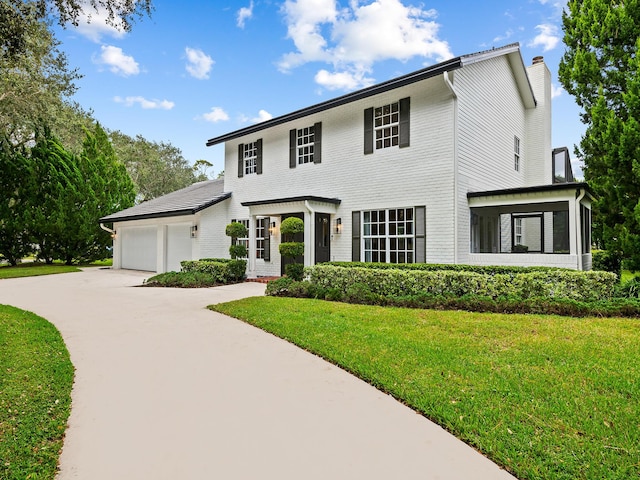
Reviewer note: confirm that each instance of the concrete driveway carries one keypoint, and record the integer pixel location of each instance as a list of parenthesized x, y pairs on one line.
[(166, 389)]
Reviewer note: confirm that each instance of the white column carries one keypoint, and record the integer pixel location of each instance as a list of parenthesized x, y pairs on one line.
[(309, 244), (251, 254)]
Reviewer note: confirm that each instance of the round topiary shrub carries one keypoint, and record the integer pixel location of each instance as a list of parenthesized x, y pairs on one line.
[(291, 226)]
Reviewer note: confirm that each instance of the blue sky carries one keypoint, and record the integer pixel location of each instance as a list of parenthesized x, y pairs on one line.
[(198, 69)]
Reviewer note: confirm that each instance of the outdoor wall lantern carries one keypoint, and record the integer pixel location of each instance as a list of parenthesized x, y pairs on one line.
[(194, 231), (338, 225), (272, 229)]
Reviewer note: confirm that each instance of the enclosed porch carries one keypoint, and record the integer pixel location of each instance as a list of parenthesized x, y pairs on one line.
[(533, 226)]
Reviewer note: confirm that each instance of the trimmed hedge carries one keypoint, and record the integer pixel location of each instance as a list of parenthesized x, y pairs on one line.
[(362, 294), (487, 269), (221, 269), (517, 284)]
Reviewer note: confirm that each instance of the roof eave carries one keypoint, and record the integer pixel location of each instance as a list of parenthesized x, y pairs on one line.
[(168, 213), (410, 78)]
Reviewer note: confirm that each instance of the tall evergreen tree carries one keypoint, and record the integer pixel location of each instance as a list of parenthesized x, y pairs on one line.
[(14, 202), (600, 69)]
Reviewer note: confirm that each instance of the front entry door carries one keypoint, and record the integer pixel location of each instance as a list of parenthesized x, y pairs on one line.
[(323, 238)]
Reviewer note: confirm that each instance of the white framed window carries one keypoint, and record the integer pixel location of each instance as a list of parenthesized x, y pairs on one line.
[(386, 121), (516, 154), (243, 240), (388, 235), (250, 156), (260, 234), (305, 144), (517, 231)]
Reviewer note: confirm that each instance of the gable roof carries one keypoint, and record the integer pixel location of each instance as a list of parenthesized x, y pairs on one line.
[(511, 50), (186, 201)]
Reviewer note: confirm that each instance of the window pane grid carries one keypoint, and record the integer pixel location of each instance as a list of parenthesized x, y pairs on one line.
[(516, 154), (305, 144), (388, 235), (386, 125), (260, 239), (250, 158)]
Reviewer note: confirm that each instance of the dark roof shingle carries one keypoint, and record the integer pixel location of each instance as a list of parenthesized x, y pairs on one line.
[(186, 201)]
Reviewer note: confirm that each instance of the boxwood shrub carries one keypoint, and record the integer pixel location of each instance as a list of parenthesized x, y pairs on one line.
[(221, 269), (457, 282)]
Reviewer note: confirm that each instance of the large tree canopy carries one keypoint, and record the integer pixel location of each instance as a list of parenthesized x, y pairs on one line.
[(17, 17), (155, 168), (34, 81), (600, 69)]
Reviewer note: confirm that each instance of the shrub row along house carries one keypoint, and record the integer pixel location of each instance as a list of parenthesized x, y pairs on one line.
[(449, 164)]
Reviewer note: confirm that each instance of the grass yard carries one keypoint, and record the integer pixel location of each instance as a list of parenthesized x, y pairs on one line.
[(542, 396), (34, 269), (36, 376)]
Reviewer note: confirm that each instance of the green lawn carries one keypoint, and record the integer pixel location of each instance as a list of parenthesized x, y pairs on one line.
[(542, 396), (36, 376), (34, 269)]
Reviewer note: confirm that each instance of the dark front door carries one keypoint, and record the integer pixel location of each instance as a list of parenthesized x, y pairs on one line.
[(323, 238), (298, 237)]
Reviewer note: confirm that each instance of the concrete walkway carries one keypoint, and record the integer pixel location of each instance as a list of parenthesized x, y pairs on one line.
[(166, 389)]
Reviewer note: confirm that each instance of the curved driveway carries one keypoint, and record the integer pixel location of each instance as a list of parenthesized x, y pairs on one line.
[(166, 389)]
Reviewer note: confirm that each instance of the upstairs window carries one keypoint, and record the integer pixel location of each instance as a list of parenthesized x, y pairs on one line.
[(250, 158), (516, 154), (386, 122), (387, 126), (305, 145)]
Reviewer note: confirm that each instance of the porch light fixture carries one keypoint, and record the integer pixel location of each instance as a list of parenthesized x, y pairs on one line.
[(338, 225), (272, 229), (194, 231)]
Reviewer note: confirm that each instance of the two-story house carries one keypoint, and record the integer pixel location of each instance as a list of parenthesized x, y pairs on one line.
[(449, 164)]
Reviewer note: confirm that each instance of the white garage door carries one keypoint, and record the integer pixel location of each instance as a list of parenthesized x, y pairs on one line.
[(178, 245), (139, 248)]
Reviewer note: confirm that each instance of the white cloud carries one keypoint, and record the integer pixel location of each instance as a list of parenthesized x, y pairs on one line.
[(217, 114), (352, 39), (263, 116), (117, 61), (144, 103), (548, 37), (501, 38), (342, 80), (244, 14), (93, 24), (198, 63), (556, 91)]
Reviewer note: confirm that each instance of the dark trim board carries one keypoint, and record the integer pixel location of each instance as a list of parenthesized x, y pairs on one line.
[(310, 198), (542, 188)]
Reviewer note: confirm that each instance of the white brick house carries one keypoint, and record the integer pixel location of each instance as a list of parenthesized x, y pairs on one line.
[(449, 164)]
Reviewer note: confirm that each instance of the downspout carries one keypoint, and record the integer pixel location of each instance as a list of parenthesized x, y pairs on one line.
[(579, 198), (312, 223), (447, 82), (107, 229)]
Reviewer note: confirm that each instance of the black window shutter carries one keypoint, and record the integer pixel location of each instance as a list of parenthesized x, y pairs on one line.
[(368, 131), (267, 239), (355, 236), (259, 156), (421, 234), (317, 142), (293, 134), (240, 160), (405, 105)]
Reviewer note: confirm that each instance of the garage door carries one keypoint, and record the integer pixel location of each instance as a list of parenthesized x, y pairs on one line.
[(139, 248), (178, 245)]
